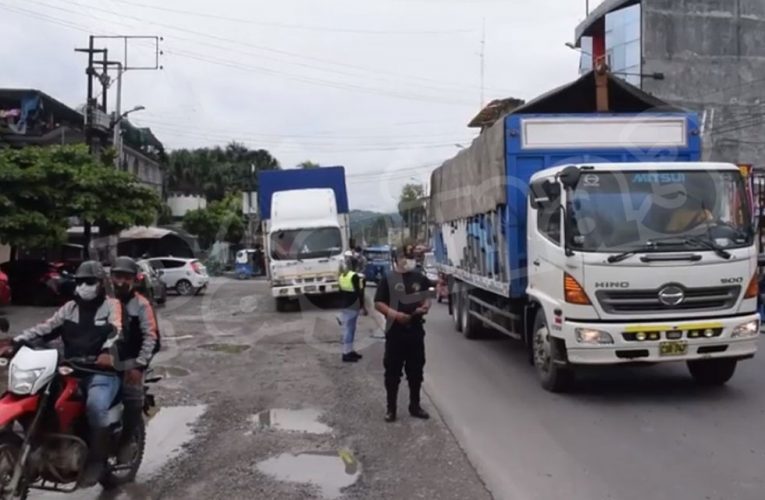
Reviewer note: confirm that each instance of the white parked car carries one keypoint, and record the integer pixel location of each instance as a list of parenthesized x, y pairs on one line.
[(185, 276)]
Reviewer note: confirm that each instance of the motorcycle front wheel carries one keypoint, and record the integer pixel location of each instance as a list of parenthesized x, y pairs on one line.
[(116, 474), (10, 450)]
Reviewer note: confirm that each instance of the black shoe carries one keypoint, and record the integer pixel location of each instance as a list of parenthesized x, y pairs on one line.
[(96, 461), (356, 355), (390, 416), (349, 358), (419, 413)]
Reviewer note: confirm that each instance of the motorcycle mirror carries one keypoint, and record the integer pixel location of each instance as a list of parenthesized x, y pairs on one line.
[(5, 325)]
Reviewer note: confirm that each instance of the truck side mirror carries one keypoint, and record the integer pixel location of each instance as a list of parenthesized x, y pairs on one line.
[(569, 176)]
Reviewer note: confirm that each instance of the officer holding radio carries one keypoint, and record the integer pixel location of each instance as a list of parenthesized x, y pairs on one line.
[(403, 297)]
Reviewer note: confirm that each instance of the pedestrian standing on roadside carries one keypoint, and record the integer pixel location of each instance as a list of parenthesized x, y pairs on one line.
[(403, 299), (352, 289)]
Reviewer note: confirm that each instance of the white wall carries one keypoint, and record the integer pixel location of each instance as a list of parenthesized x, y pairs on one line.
[(180, 204)]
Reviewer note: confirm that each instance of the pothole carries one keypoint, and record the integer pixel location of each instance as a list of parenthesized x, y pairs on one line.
[(291, 420), (330, 471), (171, 371), (225, 348)]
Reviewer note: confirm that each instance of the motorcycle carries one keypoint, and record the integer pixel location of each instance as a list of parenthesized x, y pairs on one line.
[(43, 425)]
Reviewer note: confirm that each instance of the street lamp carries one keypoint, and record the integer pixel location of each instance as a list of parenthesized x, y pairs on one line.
[(117, 136)]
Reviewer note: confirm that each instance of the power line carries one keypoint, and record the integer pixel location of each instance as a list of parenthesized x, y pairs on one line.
[(294, 77), (153, 120), (444, 86), (294, 26)]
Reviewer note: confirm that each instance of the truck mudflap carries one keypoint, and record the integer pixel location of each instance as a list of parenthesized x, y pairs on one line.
[(612, 343)]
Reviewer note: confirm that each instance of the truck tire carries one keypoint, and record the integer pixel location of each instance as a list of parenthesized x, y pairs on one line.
[(712, 372), (471, 326), (553, 376), (456, 298)]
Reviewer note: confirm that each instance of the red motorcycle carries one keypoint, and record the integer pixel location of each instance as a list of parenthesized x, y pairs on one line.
[(43, 426)]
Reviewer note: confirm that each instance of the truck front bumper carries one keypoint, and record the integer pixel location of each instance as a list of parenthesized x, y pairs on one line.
[(660, 341), (292, 291)]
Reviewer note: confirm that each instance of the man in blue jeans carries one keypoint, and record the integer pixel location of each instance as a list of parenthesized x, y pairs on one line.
[(352, 290), (89, 327)]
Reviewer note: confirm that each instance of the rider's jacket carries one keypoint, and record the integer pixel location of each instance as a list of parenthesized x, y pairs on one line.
[(86, 328)]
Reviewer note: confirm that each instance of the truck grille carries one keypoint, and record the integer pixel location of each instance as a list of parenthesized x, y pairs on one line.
[(647, 301)]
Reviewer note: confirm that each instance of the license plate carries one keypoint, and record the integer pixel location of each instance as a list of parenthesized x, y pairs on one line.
[(310, 288), (673, 348)]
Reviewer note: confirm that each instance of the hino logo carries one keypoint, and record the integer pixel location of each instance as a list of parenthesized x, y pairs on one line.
[(671, 295), (613, 284)]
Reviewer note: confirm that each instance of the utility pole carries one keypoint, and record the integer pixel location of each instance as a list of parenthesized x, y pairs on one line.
[(96, 119)]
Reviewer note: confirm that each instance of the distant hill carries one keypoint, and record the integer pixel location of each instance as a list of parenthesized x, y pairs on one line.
[(372, 226)]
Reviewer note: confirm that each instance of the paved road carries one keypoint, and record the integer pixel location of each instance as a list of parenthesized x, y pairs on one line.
[(625, 434)]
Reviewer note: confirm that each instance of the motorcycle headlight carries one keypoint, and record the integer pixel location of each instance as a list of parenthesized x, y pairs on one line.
[(22, 381)]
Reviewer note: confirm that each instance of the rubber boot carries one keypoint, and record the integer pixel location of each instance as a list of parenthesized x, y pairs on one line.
[(97, 455), (131, 418), (392, 397), (415, 409)]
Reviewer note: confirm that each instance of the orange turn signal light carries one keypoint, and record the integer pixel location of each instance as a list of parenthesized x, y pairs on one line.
[(574, 292), (753, 289)]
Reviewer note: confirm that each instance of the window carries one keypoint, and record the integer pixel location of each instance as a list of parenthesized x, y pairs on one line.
[(549, 221), (173, 264)]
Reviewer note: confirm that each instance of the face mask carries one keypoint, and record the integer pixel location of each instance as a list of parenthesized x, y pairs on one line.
[(86, 292), (123, 290)]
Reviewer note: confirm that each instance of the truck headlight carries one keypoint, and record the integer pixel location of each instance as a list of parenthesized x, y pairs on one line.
[(22, 381), (278, 282), (748, 329), (592, 336)]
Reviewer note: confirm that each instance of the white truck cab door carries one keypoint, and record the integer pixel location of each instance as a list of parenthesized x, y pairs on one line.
[(545, 244)]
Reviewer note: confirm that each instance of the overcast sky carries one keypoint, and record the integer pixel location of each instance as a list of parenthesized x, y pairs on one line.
[(383, 87)]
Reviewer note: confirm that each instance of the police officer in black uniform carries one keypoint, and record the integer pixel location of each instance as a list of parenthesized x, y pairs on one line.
[(403, 297)]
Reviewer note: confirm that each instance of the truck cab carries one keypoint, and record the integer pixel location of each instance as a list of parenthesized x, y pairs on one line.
[(643, 262), (305, 240)]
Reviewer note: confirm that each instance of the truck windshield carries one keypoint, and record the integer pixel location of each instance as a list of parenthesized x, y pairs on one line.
[(623, 211), (311, 243)]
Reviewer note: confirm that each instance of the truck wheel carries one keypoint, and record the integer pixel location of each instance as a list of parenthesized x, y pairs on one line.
[(553, 377), (712, 372), (456, 298), (281, 304), (470, 325)]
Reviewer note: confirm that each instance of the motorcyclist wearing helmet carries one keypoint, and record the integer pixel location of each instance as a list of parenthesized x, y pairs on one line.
[(138, 345), (89, 326)]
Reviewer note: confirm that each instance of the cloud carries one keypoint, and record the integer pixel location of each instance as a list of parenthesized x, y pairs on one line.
[(385, 88)]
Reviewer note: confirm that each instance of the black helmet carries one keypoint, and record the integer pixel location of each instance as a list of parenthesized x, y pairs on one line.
[(125, 265), (90, 269)]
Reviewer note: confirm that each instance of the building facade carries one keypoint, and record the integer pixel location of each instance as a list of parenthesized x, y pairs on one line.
[(703, 55)]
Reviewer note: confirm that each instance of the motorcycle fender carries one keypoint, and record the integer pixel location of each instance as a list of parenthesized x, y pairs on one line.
[(12, 407)]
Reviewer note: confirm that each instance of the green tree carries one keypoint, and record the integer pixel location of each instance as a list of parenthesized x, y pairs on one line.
[(216, 172), (220, 221), (411, 206), (308, 164), (42, 187)]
